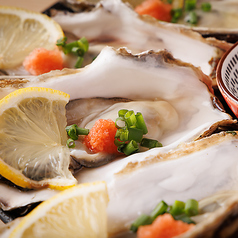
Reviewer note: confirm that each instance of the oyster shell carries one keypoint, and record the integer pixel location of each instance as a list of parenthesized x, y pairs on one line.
[(114, 23), (193, 170)]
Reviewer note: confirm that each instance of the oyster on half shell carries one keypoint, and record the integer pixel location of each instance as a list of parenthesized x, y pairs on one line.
[(172, 95), (114, 23), (155, 77)]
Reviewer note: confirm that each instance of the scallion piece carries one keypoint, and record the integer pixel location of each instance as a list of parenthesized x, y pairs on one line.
[(160, 209), (79, 62), (130, 148), (149, 143), (206, 6), (191, 207), (185, 218), (120, 123), (122, 112), (190, 5), (135, 134), (70, 143), (72, 131), (142, 220), (192, 18), (177, 208), (176, 14), (81, 131), (140, 123), (78, 48), (130, 118), (122, 134)]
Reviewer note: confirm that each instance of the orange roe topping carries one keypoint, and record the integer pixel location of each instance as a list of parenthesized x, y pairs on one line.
[(41, 61), (164, 226), (101, 137)]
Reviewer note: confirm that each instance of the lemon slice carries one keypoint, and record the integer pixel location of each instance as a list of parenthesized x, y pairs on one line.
[(33, 151), (22, 31), (76, 212)]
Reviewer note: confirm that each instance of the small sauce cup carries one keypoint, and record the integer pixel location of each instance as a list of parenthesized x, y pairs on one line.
[(227, 77)]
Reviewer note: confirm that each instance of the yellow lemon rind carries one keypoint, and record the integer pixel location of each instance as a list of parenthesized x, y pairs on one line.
[(41, 209)]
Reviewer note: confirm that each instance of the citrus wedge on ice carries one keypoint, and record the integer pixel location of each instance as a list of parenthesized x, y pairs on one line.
[(33, 151), (21, 31), (76, 212)]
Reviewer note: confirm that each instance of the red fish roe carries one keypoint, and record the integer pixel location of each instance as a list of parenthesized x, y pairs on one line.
[(101, 137), (164, 226), (41, 61)]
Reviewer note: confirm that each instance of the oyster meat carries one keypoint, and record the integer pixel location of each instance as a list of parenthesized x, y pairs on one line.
[(114, 23)]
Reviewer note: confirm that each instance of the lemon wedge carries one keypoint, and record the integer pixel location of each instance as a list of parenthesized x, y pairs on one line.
[(21, 31), (76, 212), (33, 151)]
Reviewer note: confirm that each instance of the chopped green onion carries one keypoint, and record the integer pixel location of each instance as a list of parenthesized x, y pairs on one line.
[(79, 48), (142, 220), (192, 18), (122, 134), (130, 118), (191, 207), (120, 120), (176, 14), (140, 123), (206, 6), (130, 148), (122, 112), (72, 131), (70, 143), (177, 208), (119, 143), (184, 217), (160, 209), (232, 132), (81, 131), (190, 5), (79, 62), (135, 134), (149, 143)]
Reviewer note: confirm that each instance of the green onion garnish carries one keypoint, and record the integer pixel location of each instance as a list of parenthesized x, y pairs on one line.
[(142, 220), (231, 132), (78, 48), (191, 207), (70, 143), (140, 123), (192, 18), (73, 132), (135, 134), (130, 118), (185, 218), (130, 148), (190, 5), (130, 130), (176, 14), (160, 209), (206, 6), (149, 143), (177, 208)]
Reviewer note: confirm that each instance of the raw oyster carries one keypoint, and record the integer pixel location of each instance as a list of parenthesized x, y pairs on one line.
[(194, 170), (174, 87), (114, 23)]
